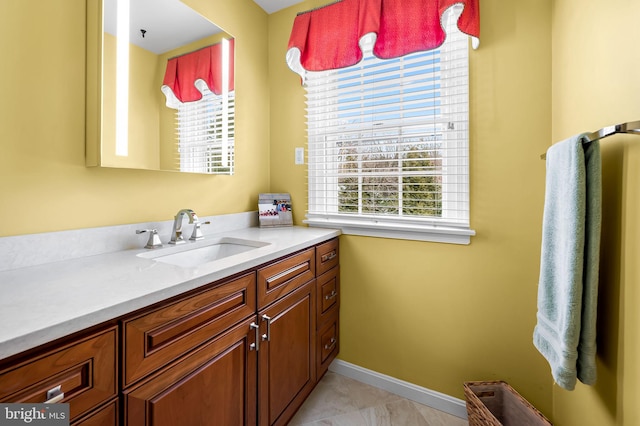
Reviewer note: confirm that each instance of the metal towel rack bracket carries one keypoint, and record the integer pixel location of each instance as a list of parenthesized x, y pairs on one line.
[(632, 127)]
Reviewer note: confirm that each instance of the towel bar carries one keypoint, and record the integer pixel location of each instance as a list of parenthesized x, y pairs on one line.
[(632, 127)]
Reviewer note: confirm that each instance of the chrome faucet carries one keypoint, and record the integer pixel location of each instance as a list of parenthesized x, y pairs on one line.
[(176, 234)]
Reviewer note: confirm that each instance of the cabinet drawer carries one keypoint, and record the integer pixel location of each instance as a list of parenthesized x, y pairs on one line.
[(156, 338), (281, 278), (85, 370), (328, 294), (328, 344), (327, 256)]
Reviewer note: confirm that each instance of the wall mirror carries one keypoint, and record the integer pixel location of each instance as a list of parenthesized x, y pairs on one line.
[(160, 88)]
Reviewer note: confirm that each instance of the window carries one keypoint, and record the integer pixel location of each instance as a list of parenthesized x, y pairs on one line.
[(388, 144), (206, 133), (200, 86)]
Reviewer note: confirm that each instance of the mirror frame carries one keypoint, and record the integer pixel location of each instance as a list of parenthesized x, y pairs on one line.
[(95, 108)]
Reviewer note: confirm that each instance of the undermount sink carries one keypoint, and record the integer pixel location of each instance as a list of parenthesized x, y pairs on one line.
[(195, 254)]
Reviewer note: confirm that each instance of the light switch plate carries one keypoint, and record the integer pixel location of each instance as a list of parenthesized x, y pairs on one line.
[(299, 155)]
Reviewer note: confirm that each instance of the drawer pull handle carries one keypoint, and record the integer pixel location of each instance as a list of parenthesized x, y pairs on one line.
[(285, 275), (54, 395), (255, 346), (329, 256), (331, 296), (267, 336), (331, 344)]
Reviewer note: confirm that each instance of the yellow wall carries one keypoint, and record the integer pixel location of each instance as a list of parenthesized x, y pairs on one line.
[(44, 184), (288, 124), (595, 84), (433, 314), (436, 314)]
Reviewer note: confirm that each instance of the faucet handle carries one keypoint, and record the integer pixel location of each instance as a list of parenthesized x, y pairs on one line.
[(193, 217), (154, 239), (197, 232)]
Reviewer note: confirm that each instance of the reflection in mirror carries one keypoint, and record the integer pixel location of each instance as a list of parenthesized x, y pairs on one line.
[(167, 89)]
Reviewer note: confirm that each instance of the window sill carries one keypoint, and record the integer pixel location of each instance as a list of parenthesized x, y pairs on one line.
[(402, 230)]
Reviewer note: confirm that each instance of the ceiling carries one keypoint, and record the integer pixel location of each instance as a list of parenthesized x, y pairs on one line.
[(169, 24), (271, 6)]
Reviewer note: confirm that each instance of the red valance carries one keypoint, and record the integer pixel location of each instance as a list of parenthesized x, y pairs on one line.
[(327, 37), (204, 66)]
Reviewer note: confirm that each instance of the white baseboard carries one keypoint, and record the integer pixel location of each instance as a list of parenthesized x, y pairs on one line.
[(428, 397)]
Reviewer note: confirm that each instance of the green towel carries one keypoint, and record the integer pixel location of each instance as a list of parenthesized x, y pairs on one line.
[(565, 333)]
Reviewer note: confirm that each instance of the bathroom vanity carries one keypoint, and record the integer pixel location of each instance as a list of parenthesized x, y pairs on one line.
[(240, 340)]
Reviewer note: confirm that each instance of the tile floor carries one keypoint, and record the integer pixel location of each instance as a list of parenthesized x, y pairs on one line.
[(340, 401)]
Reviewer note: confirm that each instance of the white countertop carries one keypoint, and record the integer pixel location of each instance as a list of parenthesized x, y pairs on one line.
[(39, 304)]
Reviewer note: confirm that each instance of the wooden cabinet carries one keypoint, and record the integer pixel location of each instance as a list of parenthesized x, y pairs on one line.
[(327, 256), (246, 350), (328, 345), (328, 298), (286, 356), (153, 339), (82, 371), (328, 304), (213, 385), (286, 303), (194, 361), (283, 276), (105, 416), (182, 366)]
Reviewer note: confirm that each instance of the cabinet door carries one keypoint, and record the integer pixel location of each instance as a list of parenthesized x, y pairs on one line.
[(214, 385), (286, 356)]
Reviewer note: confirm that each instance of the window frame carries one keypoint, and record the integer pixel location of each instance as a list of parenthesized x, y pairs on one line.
[(455, 186)]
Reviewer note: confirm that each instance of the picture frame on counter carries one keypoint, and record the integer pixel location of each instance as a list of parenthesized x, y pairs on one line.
[(274, 210)]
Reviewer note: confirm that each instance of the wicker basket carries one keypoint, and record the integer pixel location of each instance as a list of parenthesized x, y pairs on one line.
[(498, 404)]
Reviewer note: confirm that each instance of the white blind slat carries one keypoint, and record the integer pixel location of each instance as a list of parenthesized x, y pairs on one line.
[(206, 131)]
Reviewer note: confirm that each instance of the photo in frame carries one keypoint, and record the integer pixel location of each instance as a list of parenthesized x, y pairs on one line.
[(274, 210)]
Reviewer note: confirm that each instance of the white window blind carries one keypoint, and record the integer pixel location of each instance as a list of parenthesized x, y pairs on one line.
[(388, 144), (206, 133)]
